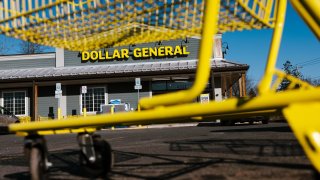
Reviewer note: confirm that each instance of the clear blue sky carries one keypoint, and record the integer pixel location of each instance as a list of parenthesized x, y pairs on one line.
[(251, 47), (298, 45)]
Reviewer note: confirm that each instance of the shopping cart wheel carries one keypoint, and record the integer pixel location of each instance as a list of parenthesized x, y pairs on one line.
[(37, 164), (35, 151), (103, 162)]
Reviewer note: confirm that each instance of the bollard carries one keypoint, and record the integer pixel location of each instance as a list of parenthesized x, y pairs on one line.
[(112, 112), (59, 113), (84, 112), (112, 109)]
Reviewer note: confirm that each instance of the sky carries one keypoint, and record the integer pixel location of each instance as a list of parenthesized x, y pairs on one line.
[(298, 45), (251, 47)]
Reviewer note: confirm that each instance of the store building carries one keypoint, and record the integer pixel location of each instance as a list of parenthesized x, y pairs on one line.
[(28, 82)]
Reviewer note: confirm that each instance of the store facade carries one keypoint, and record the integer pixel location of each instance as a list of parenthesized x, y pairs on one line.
[(28, 82)]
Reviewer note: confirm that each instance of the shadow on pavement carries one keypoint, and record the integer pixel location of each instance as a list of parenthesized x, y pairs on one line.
[(183, 157), (166, 166), (256, 129), (65, 164), (261, 147), (161, 166), (171, 166)]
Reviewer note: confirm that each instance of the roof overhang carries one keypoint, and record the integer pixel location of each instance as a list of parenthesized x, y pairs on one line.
[(114, 70)]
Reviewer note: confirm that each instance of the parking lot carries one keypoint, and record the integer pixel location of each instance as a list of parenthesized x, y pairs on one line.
[(205, 152)]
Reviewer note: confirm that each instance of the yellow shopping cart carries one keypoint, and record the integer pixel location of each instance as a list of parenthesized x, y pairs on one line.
[(92, 24)]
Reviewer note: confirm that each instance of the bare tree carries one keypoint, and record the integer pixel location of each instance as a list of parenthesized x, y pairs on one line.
[(30, 48), (312, 81), (251, 88), (292, 70)]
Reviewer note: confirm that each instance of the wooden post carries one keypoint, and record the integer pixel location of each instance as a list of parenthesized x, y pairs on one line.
[(213, 86), (243, 79), (35, 101), (224, 85), (230, 85), (240, 86)]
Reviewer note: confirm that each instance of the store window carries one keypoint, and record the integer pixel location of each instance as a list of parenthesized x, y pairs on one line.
[(15, 102), (94, 97), (170, 85)]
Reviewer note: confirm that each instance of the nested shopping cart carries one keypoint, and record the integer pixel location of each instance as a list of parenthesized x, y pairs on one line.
[(94, 24)]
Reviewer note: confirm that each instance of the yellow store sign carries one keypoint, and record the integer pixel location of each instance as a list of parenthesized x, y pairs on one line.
[(137, 53)]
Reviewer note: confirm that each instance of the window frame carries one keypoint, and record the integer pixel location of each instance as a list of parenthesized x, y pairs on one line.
[(93, 87), (25, 101)]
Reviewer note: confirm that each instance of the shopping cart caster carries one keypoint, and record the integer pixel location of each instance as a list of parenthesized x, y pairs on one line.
[(96, 156), (35, 149)]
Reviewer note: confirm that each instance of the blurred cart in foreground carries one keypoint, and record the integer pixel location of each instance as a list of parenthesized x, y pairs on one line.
[(92, 24)]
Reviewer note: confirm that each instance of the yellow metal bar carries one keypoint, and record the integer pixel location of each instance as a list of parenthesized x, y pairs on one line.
[(265, 83), (304, 120), (294, 80), (276, 84), (60, 131), (32, 11), (169, 114), (252, 12), (203, 70), (309, 10)]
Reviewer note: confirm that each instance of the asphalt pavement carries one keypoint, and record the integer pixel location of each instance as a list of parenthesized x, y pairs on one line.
[(194, 152)]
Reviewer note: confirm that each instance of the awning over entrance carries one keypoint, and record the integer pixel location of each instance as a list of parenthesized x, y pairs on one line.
[(114, 69)]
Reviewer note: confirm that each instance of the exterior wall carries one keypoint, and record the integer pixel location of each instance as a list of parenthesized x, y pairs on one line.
[(30, 101), (46, 99), (24, 64), (27, 61), (59, 57), (73, 99), (127, 93), (71, 58)]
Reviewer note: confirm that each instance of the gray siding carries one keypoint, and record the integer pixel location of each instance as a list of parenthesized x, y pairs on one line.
[(30, 101), (24, 64), (127, 93), (73, 99), (45, 100), (72, 59)]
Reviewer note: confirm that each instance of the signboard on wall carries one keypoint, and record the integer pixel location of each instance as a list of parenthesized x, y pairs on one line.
[(57, 94), (58, 91), (136, 53), (83, 89), (138, 84), (58, 86), (204, 98), (138, 81)]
